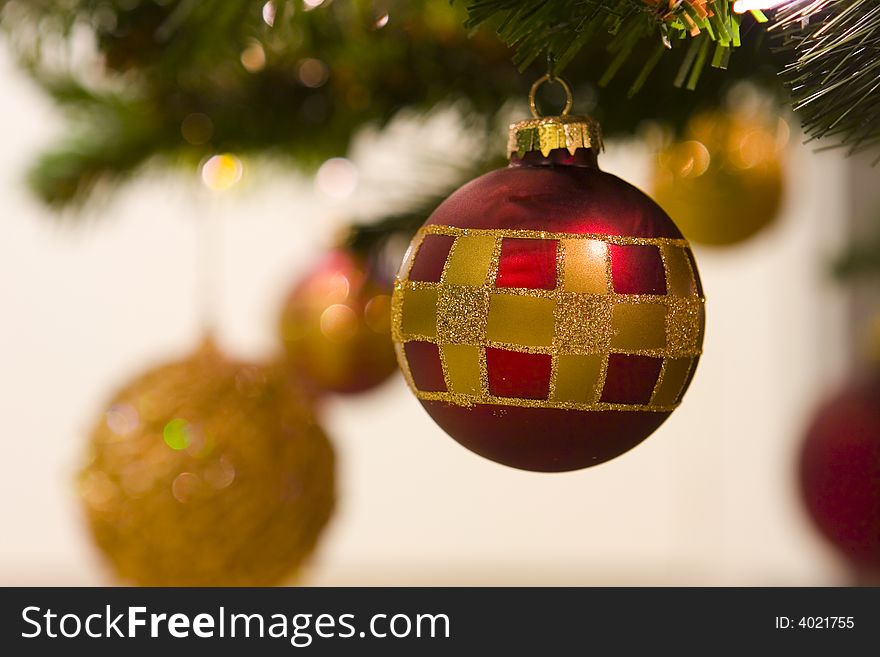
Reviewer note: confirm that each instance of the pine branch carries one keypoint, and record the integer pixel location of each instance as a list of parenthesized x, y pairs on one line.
[(161, 62), (565, 27), (181, 58), (111, 135), (833, 68)]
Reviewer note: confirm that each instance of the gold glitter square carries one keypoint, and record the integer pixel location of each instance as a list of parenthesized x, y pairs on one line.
[(462, 366), (684, 326), (638, 326), (583, 323), (419, 312), (461, 314), (586, 266), (672, 377), (577, 378), (680, 280), (520, 320), (469, 260)]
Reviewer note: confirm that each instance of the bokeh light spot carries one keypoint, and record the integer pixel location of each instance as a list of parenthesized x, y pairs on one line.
[(313, 73), (253, 58), (754, 147), (177, 434), (269, 14), (185, 487), (337, 178), (122, 419), (220, 474), (221, 172), (339, 322), (690, 159), (377, 314)]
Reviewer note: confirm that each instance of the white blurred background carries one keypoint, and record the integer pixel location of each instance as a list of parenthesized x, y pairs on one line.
[(709, 499)]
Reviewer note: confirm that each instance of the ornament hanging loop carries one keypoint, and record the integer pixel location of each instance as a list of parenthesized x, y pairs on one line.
[(550, 77)]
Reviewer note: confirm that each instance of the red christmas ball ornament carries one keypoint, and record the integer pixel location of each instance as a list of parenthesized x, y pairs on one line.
[(336, 326), (840, 472), (549, 315)]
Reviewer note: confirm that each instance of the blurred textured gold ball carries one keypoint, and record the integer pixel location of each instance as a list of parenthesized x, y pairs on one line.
[(724, 182), (336, 326), (208, 472)]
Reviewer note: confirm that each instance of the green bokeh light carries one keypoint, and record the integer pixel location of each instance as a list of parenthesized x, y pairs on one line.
[(177, 434)]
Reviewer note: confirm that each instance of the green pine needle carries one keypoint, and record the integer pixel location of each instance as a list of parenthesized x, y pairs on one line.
[(833, 68)]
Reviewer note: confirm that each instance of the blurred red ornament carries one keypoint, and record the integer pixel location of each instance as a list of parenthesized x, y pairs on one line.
[(549, 315), (840, 472), (335, 326)]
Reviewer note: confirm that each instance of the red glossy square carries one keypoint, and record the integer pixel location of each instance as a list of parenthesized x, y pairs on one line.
[(518, 374), (637, 269), (431, 257), (425, 366), (630, 379), (527, 263)]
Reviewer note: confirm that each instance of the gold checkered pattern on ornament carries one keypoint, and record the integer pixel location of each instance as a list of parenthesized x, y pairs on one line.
[(578, 323)]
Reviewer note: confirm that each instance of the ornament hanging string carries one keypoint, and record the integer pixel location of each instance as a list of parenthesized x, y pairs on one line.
[(208, 266), (220, 173)]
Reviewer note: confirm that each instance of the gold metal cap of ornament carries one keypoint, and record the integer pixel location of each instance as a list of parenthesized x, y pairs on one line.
[(547, 133)]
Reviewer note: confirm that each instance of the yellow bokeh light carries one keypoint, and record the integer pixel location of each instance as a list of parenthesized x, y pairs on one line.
[(339, 323), (377, 314), (222, 172), (253, 58), (689, 159), (753, 148)]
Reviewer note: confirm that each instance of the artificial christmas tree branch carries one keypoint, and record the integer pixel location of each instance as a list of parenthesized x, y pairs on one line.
[(294, 84), (297, 82), (564, 27), (827, 50), (833, 69)]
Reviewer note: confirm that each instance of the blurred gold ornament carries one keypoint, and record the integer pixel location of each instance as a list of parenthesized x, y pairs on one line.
[(336, 326), (208, 472), (724, 182)]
